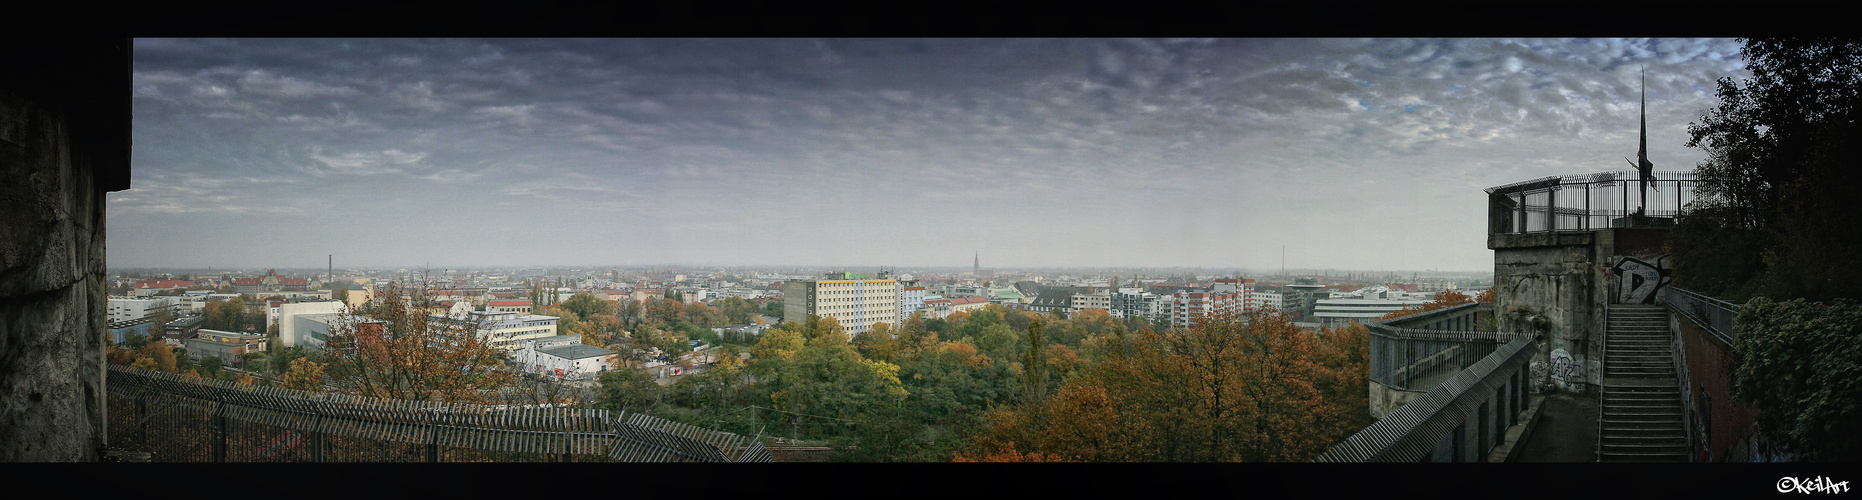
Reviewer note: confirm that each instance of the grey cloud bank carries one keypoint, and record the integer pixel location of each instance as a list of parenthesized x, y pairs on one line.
[(1367, 154)]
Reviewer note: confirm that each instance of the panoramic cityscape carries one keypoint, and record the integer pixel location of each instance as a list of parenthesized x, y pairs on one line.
[(935, 250)]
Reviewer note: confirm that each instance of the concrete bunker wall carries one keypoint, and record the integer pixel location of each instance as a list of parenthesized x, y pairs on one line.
[(1554, 285), (64, 143)]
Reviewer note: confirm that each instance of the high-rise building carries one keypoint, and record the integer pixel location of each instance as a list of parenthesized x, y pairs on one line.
[(1187, 309), (853, 300)]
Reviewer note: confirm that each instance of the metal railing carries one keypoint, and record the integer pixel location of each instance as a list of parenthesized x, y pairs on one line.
[(1586, 202), (186, 419), (1419, 351), (1435, 427), (1714, 314), (1477, 379)]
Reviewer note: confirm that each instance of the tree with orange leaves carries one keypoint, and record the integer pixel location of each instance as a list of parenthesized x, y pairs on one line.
[(404, 353), (1233, 388)]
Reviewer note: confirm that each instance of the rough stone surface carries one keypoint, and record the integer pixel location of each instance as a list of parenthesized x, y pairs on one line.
[(1555, 285), (52, 306)]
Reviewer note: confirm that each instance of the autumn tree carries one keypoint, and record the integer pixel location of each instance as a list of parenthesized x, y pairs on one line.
[(404, 353), (1232, 388), (629, 390), (304, 375)]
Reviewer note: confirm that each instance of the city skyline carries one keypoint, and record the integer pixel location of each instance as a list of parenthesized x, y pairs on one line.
[(1350, 154)]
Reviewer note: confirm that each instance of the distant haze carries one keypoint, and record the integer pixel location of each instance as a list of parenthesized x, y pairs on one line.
[(1352, 154)]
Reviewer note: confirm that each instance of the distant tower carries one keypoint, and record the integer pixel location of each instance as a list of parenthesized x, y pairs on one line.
[(976, 268)]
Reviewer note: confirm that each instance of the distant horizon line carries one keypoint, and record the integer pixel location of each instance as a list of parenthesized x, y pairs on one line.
[(812, 268)]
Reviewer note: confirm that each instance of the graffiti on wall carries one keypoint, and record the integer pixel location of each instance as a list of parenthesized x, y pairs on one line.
[(1564, 369), (1703, 425), (1638, 278)]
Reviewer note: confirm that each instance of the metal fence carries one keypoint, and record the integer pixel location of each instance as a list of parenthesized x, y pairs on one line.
[(186, 419), (1462, 420), (1419, 351), (1477, 383), (1714, 314), (1585, 202)]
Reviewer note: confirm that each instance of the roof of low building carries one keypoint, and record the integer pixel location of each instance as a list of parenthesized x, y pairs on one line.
[(577, 351)]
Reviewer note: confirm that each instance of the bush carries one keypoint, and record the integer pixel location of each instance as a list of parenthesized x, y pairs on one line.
[(1800, 364)]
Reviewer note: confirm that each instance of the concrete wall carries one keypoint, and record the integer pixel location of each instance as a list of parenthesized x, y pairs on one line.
[(1558, 285), (64, 142), (64, 120), (1554, 285), (1721, 422)]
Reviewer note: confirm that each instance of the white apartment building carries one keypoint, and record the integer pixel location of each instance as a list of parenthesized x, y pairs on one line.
[(1100, 299), (1242, 287), (134, 309), (855, 302), (911, 299)]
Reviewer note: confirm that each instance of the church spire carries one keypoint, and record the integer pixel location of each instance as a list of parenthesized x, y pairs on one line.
[(977, 266)]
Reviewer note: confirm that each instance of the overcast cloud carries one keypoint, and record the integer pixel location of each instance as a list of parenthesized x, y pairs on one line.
[(1353, 154)]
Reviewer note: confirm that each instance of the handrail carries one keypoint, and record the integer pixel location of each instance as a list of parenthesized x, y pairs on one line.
[(1411, 433), (1711, 313)]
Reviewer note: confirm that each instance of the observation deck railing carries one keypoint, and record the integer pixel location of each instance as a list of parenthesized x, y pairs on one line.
[(1588, 202), (185, 419), (1479, 382)]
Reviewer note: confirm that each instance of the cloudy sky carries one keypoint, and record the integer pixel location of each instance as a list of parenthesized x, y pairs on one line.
[(1352, 154)]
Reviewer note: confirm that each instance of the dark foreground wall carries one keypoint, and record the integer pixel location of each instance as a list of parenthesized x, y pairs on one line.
[(64, 142)]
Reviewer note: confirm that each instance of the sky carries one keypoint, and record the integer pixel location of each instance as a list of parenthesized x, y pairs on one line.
[(1347, 153)]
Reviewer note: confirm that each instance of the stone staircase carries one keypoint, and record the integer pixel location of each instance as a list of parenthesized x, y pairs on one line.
[(1641, 418)]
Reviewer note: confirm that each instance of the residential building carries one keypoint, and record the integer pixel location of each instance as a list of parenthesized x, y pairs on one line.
[(1243, 287), (1189, 309), (967, 304), (853, 300), (1093, 298), (1132, 302), (511, 306), (911, 299)]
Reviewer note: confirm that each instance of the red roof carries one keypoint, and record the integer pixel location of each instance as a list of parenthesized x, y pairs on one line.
[(506, 303), (967, 300), (163, 284), (293, 281), (246, 281)]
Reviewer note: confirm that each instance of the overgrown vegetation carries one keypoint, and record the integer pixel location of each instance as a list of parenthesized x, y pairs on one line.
[(1800, 364), (1777, 211)]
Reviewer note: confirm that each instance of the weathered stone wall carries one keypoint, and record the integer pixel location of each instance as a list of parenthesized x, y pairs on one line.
[(1554, 285), (51, 291), (64, 143)]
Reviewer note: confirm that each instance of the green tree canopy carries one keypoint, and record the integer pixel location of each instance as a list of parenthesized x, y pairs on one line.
[(1776, 216)]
